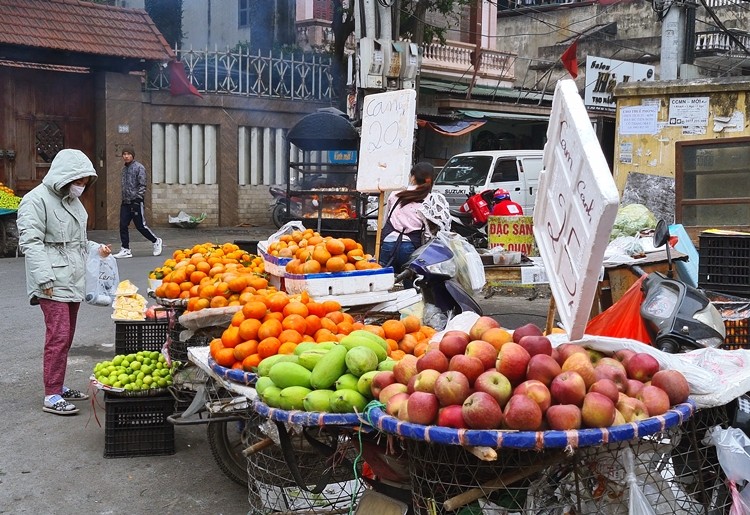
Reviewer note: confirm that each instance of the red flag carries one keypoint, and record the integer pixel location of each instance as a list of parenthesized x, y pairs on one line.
[(570, 60), (178, 81)]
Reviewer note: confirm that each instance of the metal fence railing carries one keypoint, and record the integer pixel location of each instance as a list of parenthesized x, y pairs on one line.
[(293, 76)]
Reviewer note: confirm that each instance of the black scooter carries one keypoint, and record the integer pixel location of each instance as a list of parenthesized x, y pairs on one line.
[(679, 317)]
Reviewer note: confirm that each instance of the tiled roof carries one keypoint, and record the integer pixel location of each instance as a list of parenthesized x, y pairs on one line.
[(82, 27)]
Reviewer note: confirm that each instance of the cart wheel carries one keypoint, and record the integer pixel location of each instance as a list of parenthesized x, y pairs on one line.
[(279, 214), (227, 440)]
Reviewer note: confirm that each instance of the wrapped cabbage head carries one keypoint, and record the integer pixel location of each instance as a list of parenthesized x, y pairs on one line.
[(632, 219)]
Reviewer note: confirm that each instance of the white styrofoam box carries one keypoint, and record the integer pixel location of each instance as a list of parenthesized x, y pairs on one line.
[(575, 208), (340, 283), (272, 264)]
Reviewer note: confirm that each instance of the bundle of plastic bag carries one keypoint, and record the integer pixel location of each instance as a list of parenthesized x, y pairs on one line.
[(632, 219), (733, 451)]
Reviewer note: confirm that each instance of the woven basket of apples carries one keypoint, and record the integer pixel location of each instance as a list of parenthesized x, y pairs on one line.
[(496, 388)]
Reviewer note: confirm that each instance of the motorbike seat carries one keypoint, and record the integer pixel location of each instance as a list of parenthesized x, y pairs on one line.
[(464, 217)]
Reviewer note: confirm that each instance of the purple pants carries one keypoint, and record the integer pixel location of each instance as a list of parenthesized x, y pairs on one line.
[(60, 322)]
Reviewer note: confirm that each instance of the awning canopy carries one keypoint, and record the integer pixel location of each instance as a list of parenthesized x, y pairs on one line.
[(491, 115), (454, 128)]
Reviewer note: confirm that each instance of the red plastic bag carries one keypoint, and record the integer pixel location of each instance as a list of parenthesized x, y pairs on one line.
[(623, 318)]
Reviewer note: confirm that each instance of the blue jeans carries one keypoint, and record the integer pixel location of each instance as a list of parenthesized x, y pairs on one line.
[(405, 249)]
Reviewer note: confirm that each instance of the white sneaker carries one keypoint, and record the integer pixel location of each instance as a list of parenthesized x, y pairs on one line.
[(157, 247), (124, 253)]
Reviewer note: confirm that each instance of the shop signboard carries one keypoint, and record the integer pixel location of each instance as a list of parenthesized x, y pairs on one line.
[(514, 233), (386, 143), (575, 208), (603, 74)]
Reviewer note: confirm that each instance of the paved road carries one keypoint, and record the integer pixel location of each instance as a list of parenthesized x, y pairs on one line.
[(53, 464)]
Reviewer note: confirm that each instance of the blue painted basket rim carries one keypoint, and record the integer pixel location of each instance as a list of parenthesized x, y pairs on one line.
[(530, 440), (232, 374), (336, 275), (307, 418)]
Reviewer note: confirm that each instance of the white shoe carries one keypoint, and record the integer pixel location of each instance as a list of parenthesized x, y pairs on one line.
[(124, 253), (157, 247)]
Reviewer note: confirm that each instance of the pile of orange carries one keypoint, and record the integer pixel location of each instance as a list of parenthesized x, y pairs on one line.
[(212, 276), (277, 323), (312, 253)]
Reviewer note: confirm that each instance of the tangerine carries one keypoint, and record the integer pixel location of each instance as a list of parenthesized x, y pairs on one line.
[(250, 362), (394, 329), (245, 349), (335, 246), (219, 302), (268, 347), (278, 301), (375, 329), (324, 335), (237, 318), (290, 335), (254, 309), (312, 323), (316, 308), (225, 357), (295, 322), (214, 346), (331, 305), (336, 316), (171, 290), (231, 336), (411, 323), (269, 328), (287, 348), (330, 325), (397, 354), (335, 264), (248, 329), (296, 308)]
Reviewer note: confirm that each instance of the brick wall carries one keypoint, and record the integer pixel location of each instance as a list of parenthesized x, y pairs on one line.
[(254, 205), (169, 199)]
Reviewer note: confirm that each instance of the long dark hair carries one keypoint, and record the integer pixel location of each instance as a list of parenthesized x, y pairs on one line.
[(423, 174)]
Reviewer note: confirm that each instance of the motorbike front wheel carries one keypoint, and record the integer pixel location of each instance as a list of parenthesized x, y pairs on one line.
[(227, 441), (279, 214)]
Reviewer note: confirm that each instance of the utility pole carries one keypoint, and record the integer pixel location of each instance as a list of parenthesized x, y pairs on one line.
[(672, 38)]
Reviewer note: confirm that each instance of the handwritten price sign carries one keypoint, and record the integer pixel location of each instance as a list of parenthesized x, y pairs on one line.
[(575, 208), (385, 148)]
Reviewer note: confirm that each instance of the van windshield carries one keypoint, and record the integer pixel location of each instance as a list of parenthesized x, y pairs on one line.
[(465, 170)]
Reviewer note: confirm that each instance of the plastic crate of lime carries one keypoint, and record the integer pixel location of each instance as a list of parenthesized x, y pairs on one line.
[(185, 221)]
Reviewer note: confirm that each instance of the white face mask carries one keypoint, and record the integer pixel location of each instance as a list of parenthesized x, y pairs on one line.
[(76, 190)]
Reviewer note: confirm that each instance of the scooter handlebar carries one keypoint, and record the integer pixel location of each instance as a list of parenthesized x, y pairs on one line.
[(404, 275)]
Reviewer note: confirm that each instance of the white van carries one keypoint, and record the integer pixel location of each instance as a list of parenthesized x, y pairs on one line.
[(514, 170)]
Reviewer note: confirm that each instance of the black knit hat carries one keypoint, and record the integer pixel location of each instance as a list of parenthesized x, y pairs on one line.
[(129, 149)]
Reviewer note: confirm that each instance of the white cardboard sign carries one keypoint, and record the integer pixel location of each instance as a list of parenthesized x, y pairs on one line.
[(386, 143), (575, 208)]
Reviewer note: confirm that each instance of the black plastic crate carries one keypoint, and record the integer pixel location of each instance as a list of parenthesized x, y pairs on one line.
[(136, 335), (724, 263), (138, 426)]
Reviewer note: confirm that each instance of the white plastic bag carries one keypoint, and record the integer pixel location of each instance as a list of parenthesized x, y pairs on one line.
[(638, 503), (469, 266), (733, 451), (102, 279)]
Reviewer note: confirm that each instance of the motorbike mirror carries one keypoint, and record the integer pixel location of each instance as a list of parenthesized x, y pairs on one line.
[(661, 234), (661, 238)]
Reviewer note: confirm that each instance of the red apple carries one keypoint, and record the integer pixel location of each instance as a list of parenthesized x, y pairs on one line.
[(422, 408), (410, 384), (594, 355), (526, 330), (655, 399), (403, 411), (484, 351), (543, 368), (642, 367), (611, 362), (380, 381), (566, 350), (568, 388), (522, 413), (425, 380), (581, 363), (633, 387), (536, 345), (623, 355), (563, 417), (497, 336), (469, 366), (391, 390), (495, 384), (598, 410), (405, 368), (615, 374), (453, 343), (674, 383), (432, 359), (481, 411), (512, 361), (606, 387), (451, 387), (394, 403), (452, 416), (536, 391), (631, 408), (481, 325)]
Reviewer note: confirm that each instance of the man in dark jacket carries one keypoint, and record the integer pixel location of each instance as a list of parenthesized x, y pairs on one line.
[(131, 209)]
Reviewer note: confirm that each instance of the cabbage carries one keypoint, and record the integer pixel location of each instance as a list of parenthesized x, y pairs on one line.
[(632, 219)]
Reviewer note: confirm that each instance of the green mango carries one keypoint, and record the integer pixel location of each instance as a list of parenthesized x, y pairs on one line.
[(291, 397), (285, 374), (264, 367), (303, 346), (347, 401), (262, 383), (272, 396), (360, 360), (310, 358), (347, 382), (318, 400), (329, 368), (387, 365), (365, 380)]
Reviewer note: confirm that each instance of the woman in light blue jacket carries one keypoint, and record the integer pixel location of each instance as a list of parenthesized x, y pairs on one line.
[(52, 236)]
